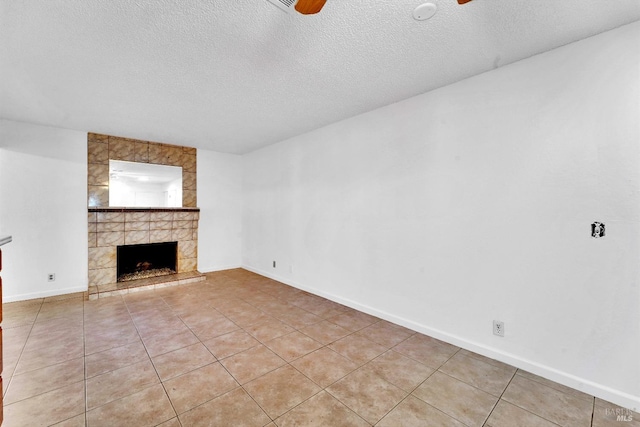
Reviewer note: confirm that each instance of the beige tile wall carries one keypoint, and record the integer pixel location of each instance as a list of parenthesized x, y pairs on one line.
[(102, 148), (110, 229)]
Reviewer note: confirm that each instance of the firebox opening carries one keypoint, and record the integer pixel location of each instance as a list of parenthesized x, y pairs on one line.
[(147, 260)]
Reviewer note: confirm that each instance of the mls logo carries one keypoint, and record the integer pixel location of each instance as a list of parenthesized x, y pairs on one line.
[(597, 230)]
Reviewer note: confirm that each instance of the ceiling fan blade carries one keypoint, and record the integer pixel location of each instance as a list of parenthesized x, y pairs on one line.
[(309, 7), (463, 1)]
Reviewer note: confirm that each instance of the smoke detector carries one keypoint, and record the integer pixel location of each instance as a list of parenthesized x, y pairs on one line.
[(424, 11)]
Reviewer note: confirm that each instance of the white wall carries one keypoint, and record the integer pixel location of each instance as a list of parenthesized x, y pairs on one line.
[(220, 203), (43, 205), (473, 203)]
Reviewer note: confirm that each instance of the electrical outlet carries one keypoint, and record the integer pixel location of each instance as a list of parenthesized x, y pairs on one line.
[(51, 277), (274, 264), (498, 328)]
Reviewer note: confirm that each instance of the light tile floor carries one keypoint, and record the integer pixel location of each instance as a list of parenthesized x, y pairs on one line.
[(242, 350)]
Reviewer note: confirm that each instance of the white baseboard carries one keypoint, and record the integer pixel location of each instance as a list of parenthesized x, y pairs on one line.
[(586, 386), (218, 268), (51, 293)]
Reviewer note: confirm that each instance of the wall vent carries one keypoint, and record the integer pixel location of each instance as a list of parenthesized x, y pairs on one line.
[(286, 5)]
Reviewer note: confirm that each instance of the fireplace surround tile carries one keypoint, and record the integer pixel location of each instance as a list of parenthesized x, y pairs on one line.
[(137, 216), (141, 151), (136, 226), (121, 149), (161, 217), (98, 195), (105, 227), (98, 153), (102, 276), (159, 236), (182, 234), (104, 257), (188, 264), (110, 216), (92, 240), (98, 175), (111, 238), (136, 237), (182, 228), (161, 225)]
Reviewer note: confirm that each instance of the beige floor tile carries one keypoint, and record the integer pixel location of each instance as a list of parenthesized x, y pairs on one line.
[(115, 358), (61, 308), (51, 338), (185, 327), (427, 350), (20, 319), (459, 400), (357, 348), (40, 381), (110, 337), (324, 366), (607, 414), (554, 385), (229, 344), (235, 408), (485, 359), (169, 340), (507, 415), (61, 351), (478, 373), (321, 410), (212, 329), (386, 333), (196, 387), (293, 346), (73, 325), (413, 412), (249, 317), (399, 370), (122, 382), (148, 407), (298, 318), (325, 332), (548, 403), (271, 329), (77, 421), (367, 394), (173, 422), (46, 409), (280, 390), (252, 363), (181, 361), (353, 320), (198, 316)]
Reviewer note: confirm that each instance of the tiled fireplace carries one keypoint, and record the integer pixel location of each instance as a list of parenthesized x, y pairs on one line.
[(113, 227)]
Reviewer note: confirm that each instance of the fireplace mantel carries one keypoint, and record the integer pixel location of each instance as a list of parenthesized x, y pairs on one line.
[(121, 209)]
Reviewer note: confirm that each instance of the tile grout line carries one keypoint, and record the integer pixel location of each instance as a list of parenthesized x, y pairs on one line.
[(23, 347)]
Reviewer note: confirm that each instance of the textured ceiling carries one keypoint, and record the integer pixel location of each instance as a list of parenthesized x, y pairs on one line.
[(236, 75)]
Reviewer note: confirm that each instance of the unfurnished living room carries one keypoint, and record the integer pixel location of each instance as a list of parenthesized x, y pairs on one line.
[(280, 213)]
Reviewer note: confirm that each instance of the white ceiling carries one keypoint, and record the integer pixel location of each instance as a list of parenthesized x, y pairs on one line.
[(237, 75)]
